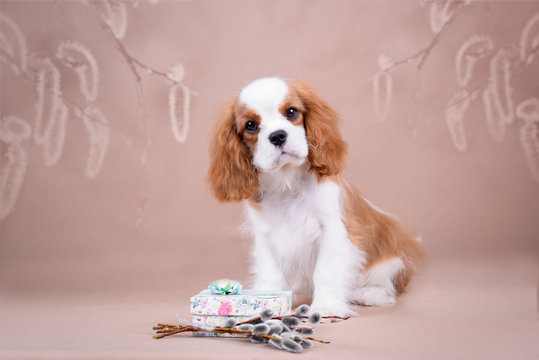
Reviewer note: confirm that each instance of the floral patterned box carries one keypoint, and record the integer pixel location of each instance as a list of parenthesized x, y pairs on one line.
[(208, 309)]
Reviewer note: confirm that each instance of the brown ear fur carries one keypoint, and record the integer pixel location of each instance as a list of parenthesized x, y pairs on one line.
[(231, 175), (327, 149)]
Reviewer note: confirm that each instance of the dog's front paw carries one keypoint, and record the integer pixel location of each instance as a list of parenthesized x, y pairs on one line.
[(331, 307)]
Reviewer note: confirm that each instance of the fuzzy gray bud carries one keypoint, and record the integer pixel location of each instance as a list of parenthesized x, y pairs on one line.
[(302, 310), (275, 329), (246, 327), (287, 335), (291, 321), (260, 329), (266, 314), (314, 318), (258, 339), (305, 330), (229, 323), (275, 344), (306, 344), (292, 346)]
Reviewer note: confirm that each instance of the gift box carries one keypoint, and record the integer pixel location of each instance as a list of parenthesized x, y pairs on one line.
[(210, 310)]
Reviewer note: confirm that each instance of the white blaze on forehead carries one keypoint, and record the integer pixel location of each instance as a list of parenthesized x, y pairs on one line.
[(264, 95)]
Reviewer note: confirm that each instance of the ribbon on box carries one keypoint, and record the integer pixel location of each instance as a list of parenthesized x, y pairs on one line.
[(225, 287)]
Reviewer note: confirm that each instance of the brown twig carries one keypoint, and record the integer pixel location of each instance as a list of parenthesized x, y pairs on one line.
[(425, 53), (172, 333), (132, 61), (317, 340), (121, 49), (165, 330)]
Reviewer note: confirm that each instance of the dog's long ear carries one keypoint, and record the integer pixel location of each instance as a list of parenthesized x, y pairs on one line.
[(231, 175), (327, 149)]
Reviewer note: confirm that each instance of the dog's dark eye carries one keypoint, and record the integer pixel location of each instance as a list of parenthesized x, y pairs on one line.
[(251, 126), (291, 113)]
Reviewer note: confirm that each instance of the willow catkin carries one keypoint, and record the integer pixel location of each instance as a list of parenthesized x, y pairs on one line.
[(502, 91), (266, 314), (78, 57), (261, 329), (96, 125), (179, 102), (291, 345), (454, 115), (495, 120), (291, 321), (229, 323), (275, 329), (529, 134), (13, 43), (277, 344), (12, 171), (50, 124), (114, 14), (55, 136), (48, 102), (440, 13), (258, 339), (314, 318), (383, 91), (469, 52), (529, 40), (248, 327), (305, 330), (302, 310)]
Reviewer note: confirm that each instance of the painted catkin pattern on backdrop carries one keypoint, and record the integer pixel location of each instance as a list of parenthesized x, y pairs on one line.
[(56, 109), (479, 52), (69, 78)]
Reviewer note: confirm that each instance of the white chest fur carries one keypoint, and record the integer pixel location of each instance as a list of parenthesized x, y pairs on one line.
[(301, 242), (287, 225)]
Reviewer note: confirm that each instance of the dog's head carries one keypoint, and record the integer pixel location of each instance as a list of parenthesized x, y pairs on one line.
[(273, 124)]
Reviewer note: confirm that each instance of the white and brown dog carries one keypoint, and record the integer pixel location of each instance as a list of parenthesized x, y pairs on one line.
[(278, 148)]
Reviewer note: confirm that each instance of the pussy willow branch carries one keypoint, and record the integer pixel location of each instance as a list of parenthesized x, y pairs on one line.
[(132, 61), (165, 330), (425, 52), (425, 55), (127, 57), (149, 69)]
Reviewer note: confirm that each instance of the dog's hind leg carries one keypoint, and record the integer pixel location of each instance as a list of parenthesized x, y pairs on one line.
[(380, 283)]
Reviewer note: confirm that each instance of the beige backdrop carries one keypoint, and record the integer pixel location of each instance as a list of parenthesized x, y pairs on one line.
[(104, 153)]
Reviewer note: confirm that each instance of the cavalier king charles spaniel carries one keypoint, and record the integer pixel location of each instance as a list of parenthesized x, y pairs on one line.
[(278, 149)]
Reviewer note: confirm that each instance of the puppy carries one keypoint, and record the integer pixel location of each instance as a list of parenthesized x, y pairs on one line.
[(278, 148)]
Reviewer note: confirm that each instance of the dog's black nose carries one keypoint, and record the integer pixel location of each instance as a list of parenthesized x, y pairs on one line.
[(278, 137)]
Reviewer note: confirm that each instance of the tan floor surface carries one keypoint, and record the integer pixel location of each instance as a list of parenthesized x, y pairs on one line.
[(456, 309)]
